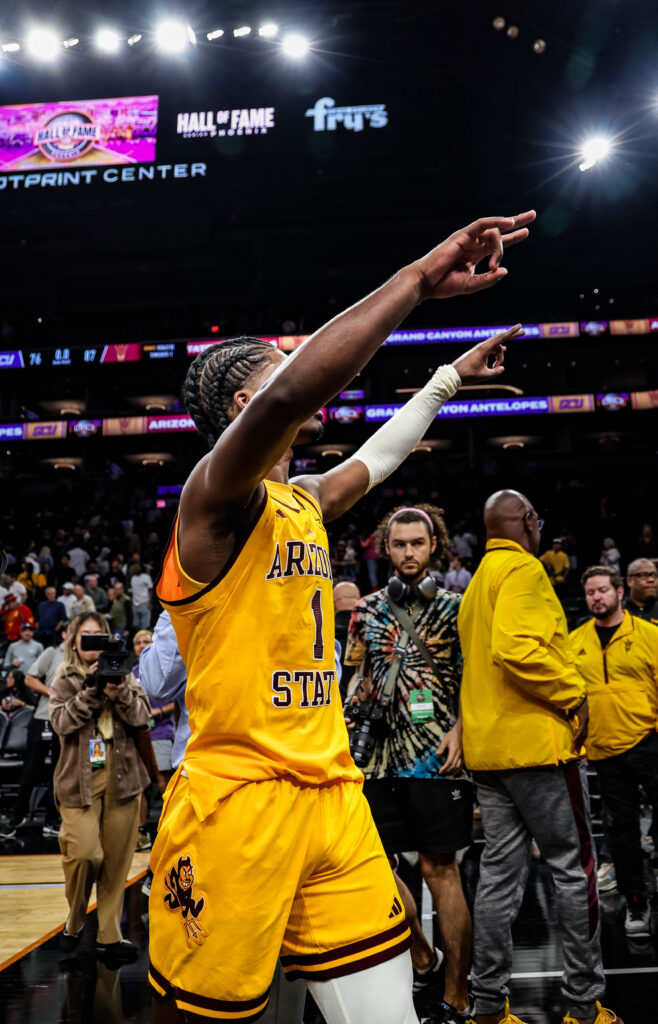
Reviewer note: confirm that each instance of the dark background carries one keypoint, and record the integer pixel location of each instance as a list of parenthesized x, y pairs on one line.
[(287, 229)]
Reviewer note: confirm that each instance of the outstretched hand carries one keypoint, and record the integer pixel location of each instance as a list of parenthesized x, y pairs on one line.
[(486, 360), (449, 269)]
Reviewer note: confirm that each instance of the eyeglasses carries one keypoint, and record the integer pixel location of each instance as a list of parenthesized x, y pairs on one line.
[(643, 576), (533, 515)]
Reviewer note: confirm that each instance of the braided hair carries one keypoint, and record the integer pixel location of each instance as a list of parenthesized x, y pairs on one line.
[(214, 377)]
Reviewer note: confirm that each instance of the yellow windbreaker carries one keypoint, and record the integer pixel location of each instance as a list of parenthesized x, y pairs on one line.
[(519, 678), (622, 684)]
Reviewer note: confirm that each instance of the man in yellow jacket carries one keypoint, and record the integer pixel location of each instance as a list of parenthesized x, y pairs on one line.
[(524, 711), (617, 655)]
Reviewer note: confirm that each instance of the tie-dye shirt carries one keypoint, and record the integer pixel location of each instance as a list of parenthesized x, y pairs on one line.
[(408, 748)]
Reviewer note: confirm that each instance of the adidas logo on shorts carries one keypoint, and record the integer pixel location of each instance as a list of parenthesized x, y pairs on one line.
[(456, 794), (397, 908)]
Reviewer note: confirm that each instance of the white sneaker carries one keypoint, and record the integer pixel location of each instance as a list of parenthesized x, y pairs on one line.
[(606, 877), (637, 924)]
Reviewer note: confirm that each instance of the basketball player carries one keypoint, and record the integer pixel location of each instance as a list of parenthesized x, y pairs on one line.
[(266, 845)]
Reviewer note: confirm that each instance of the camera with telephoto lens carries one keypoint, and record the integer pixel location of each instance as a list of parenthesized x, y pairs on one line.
[(113, 660), (370, 727)]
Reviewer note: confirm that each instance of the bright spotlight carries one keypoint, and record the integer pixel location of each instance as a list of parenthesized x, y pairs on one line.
[(68, 43), (268, 30), (594, 150), (174, 36), (108, 40), (295, 45), (42, 44), (244, 30), (216, 34), (10, 47), (133, 40)]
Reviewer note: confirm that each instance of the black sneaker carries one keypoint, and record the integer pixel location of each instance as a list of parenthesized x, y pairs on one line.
[(447, 1014), (422, 979), (117, 953), (68, 941)]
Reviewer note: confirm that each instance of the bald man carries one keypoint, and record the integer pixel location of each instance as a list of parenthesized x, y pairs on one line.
[(525, 716)]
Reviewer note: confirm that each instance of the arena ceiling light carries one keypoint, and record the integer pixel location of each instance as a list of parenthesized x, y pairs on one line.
[(72, 41), (174, 36), (268, 30), (594, 150), (217, 33), (10, 47), (243, 30), (43, 44), (295, 46), (132, 40), (108, 40)]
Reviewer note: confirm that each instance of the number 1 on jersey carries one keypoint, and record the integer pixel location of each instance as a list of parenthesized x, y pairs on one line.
[(316, 606)]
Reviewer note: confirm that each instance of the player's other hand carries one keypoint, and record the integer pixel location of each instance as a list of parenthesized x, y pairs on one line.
[(449, 269), (486, 360)]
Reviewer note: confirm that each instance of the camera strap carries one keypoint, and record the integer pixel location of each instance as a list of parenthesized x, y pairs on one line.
[(409, 632)]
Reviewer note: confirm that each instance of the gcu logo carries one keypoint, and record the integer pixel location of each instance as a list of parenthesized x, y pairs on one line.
[(571, 403)]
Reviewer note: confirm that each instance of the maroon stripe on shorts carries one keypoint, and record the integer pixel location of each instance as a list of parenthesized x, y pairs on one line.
[(206, 1002), (354, 965), (339, 952), (574, 782)]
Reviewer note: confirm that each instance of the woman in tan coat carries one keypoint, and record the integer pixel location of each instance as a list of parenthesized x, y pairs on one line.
[(98, 784)]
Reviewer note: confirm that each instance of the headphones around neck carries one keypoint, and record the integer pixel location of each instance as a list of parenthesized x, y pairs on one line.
[(399, 591)]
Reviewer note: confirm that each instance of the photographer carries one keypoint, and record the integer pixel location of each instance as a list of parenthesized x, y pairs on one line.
[(419, 797), (99, 779)]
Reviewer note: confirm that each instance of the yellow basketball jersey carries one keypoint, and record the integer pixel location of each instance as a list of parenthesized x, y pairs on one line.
[(258, 644)]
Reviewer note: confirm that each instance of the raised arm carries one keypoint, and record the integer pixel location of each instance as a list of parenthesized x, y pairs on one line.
[(275, 402), (389, 446)]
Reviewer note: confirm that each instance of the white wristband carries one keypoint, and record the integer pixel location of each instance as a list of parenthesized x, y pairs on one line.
[(389, 446)]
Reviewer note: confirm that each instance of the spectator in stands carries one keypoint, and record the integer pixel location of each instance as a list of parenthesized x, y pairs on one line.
[(67, 598), (141, 593), (350, 562), (99, 779), (141, 640), (65, 572), (120, 614), (557, 565), (78, 559), (115, 574), (50, 617), (463, 542), (646, 545), (33, 580), (457, 577), (14, 617), (370, 557), (16, 588), (83, 603), (15, 694), (617, 656), (642, 581), (97, 594), (22, 652), (610, 555)]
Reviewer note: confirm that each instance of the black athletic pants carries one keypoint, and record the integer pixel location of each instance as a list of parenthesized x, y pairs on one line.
[(619, 780), (35, 772)]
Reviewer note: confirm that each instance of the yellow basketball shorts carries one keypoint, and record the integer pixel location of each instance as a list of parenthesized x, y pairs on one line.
[(279, 869)]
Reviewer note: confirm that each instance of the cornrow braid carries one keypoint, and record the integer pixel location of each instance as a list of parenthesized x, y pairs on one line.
[(214, 377)]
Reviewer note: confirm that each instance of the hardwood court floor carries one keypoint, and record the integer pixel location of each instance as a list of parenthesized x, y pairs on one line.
[(33, 902)]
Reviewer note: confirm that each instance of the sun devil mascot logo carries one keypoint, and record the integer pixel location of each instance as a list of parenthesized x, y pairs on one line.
[(180, 896)]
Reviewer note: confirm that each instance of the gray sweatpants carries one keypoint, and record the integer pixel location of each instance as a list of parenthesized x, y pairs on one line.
[(551, 806)]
